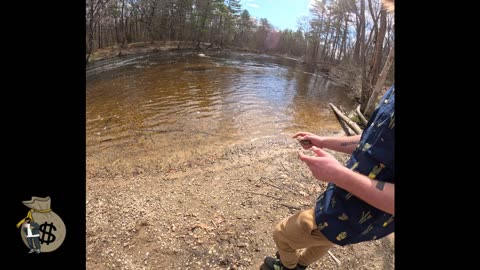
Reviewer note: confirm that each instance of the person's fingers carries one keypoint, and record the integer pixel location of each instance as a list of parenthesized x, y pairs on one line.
[(305, 158), (301, 156), (304, 141), (306, 146), (306, 137), (301, 133), (319, 152)]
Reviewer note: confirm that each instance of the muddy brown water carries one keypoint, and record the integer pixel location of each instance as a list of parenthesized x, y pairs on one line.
[(170, 102)]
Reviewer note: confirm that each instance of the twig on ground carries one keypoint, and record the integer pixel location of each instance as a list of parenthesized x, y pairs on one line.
[(337, 261), (216, 227), (266, 195), (291, 206)]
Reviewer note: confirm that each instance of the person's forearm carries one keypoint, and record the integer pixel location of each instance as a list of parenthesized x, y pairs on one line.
[(344, 144), (376, 193)]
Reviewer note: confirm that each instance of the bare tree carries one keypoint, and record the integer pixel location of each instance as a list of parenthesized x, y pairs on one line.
[(380, 83), (360, 18), (94, 9), (377, 55)]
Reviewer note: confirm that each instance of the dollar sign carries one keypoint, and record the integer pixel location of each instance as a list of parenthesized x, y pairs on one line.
[(43, 229)]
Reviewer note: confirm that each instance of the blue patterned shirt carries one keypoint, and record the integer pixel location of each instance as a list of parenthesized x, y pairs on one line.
[(342, 217)]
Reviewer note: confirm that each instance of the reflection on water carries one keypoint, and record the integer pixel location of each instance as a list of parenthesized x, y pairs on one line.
[(166, 101)]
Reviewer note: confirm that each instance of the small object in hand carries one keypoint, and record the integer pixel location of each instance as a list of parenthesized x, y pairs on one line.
[(305, 141)]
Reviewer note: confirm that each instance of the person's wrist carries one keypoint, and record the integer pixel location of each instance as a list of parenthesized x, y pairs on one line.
[(322, 142), (341, 176)]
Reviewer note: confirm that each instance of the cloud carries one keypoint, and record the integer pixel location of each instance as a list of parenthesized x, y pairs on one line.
[(253, 5)]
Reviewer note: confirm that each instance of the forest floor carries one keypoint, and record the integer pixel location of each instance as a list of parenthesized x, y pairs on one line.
[(213, 211), (147, 47)]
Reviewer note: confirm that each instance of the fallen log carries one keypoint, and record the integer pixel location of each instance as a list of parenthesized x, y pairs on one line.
[(360, 115), (347, 120)]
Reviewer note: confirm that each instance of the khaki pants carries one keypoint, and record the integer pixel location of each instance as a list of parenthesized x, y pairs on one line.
[(299, 232)]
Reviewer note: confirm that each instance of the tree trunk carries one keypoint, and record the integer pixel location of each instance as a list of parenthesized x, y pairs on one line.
[(356, 49), (99, 35), (203, 22), (90, 45), (122, 26), (316, 48), (222, 28), (343, 47), (132, 29), (325, 43), (91, 27), (117, 37), (366, 87), (377, 55), (357, 57), (335, 44), (380, 83)]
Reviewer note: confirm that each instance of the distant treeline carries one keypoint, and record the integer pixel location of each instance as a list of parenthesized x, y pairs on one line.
[(354, 33)]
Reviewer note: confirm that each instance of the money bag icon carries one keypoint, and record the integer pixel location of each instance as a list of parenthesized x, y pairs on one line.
[(52, 230)]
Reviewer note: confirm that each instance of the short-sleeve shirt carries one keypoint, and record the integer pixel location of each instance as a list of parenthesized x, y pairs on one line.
[(342, 217)]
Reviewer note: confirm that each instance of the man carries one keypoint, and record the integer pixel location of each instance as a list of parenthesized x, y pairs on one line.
[(358, 204), (32, 232)]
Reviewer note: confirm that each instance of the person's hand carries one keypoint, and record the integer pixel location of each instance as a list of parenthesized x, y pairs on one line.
[(323, 166), (307, 139)]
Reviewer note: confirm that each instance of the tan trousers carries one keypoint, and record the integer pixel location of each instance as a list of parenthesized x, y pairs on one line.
[(299, 232)]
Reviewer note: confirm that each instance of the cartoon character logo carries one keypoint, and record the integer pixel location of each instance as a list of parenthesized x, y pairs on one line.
[(42, 230), (32, 232)]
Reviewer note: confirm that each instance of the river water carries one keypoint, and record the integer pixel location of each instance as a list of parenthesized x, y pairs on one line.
[(164, 102)]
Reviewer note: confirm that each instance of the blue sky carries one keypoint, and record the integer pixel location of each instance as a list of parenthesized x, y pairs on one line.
[(280, 13)]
